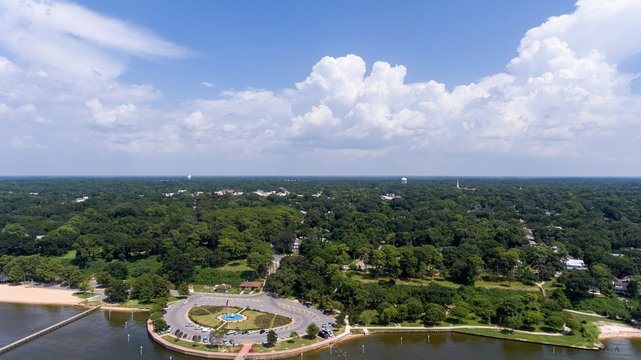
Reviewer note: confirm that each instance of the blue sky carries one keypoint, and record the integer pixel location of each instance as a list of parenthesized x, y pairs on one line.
[(492, 88)]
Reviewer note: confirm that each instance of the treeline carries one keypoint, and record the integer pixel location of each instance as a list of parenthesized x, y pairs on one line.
[(423, 230), (40, 269), (386, 302)]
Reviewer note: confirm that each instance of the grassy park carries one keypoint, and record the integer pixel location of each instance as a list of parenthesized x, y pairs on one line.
[(200, 346), (255, 320), (574, 340)]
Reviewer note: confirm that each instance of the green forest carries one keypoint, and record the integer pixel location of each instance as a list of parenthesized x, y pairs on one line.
[(487, 251)]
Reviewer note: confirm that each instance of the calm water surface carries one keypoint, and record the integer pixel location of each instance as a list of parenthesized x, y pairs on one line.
[(103, 335)]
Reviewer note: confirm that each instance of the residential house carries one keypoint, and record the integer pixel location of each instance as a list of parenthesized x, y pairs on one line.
[(575, 264)]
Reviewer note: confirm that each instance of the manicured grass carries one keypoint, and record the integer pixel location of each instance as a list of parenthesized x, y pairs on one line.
[(200, 346), (202, 288), (82, 295), (256, 320), (208, 315), (236, 265), (595, 319), (285, 345), (280, 320), (564, 340), (470, 320), (134, 304), (508, 285)]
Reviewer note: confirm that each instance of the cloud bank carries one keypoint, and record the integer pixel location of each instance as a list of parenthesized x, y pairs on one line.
[(562, 95)]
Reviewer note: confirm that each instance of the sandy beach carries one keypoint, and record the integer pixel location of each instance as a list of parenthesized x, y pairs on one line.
[(611, 331), (22, 294)]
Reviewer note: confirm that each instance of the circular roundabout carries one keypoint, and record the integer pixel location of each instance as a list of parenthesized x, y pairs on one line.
[(244, 319), (233, 317)]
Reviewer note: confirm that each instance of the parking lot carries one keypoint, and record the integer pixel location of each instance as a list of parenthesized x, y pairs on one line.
[(301, 315)]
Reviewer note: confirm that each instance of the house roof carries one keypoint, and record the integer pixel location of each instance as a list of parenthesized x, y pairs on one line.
[(575, 262), (251, 284)]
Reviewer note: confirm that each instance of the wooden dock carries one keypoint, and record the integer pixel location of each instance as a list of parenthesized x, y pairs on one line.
[(47, 330)]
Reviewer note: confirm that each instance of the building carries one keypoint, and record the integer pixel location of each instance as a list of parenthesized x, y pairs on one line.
[(4, 279), (222, 288), (251, 285), (263, 193), (575, 264), (621, 285), (297, 243), (389, 196)]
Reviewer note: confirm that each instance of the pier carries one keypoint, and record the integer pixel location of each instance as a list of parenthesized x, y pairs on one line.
[(47, 330)]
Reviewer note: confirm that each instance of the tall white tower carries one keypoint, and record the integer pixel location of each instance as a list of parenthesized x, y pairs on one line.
[(457, 185)]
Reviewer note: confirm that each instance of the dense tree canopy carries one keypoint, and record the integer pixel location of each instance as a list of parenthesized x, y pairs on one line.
[(371, 247)]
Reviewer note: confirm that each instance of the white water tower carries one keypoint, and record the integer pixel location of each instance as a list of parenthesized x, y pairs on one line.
[(404, 181), (188, 177)]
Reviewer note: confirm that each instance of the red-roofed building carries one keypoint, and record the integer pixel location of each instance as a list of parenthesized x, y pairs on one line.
[(251, 285)]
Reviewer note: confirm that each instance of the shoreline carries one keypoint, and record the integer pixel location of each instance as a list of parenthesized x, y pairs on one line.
[(48, 295), (609, 331), (24, 294)]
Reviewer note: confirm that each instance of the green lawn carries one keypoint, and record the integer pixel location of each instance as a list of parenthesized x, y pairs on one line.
[(82, 295), (202, 288), (508, 285), (565, 340), (200, 346), (132, 303), (236, 265), (256, 320), (208, 315), (285, 345), (211, 276)]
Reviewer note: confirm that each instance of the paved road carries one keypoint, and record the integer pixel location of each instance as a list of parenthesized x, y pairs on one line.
[(275, 264), (302, 316)]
